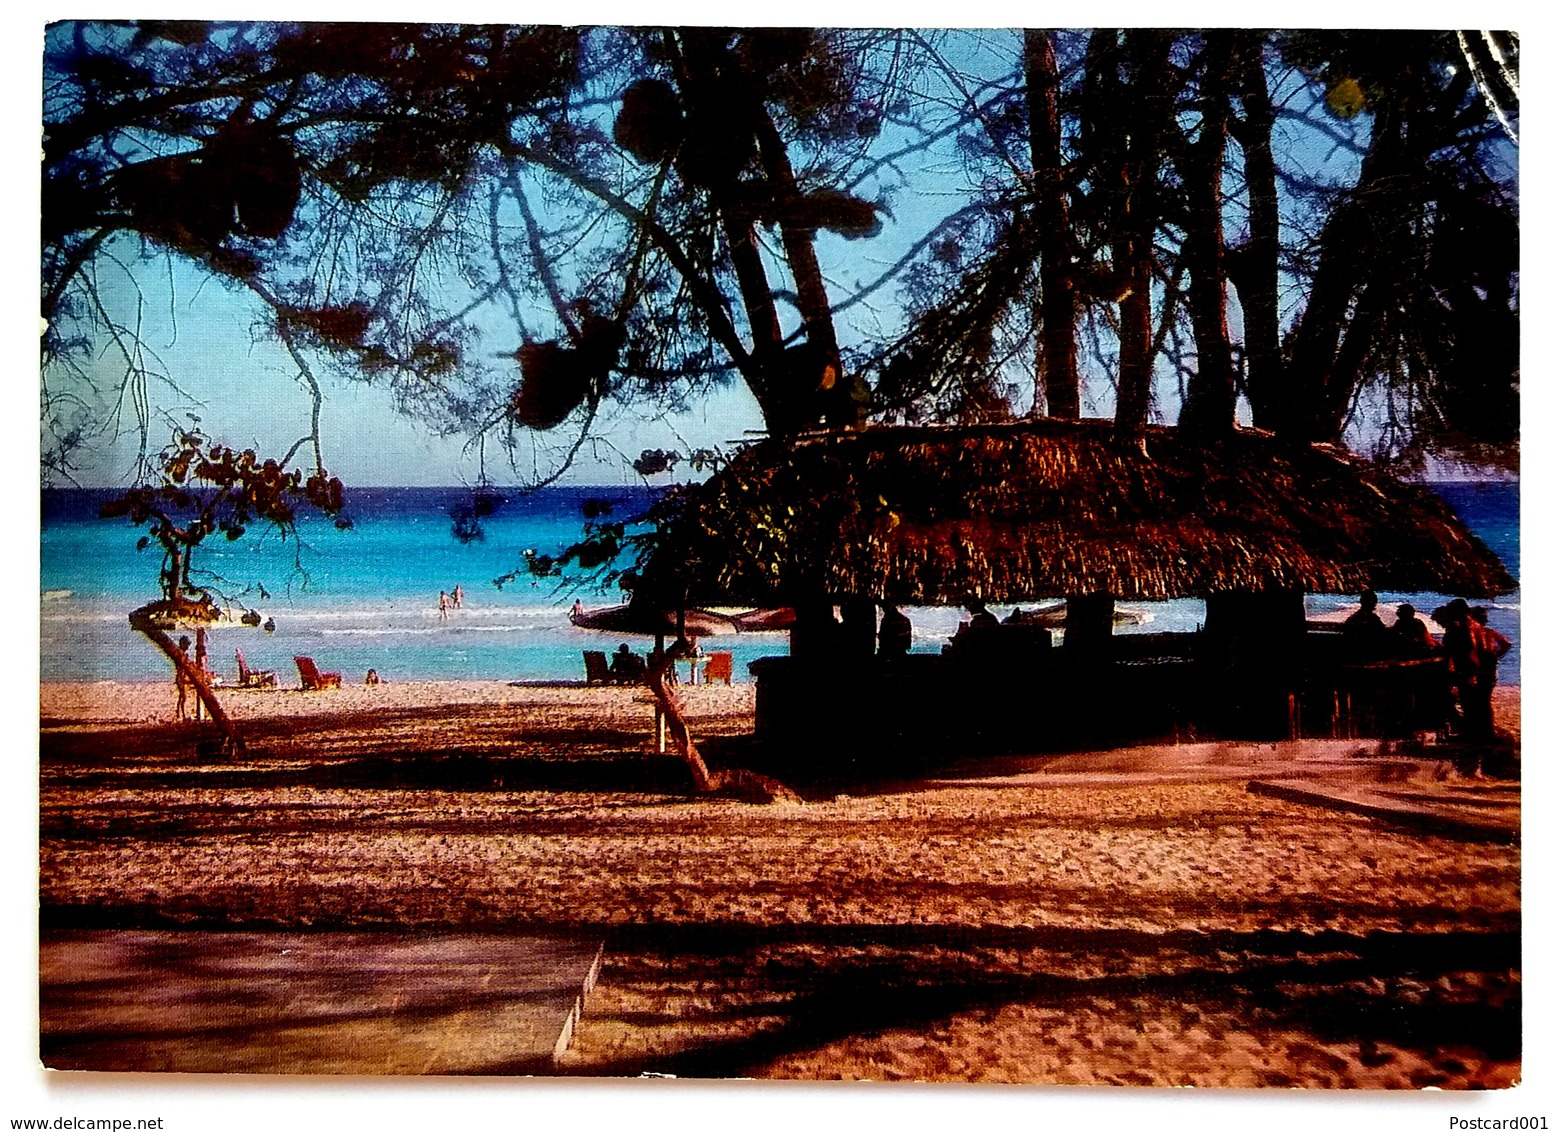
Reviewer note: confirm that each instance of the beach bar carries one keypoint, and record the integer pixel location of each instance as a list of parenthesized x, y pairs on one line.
[(836, 523)]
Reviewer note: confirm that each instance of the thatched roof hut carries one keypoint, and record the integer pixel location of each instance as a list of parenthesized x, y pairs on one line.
[(1020, 511)]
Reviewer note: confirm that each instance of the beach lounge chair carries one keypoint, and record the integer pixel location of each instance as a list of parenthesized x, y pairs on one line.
[(718, 667), (596, 670), (313, 679), (249, 678)]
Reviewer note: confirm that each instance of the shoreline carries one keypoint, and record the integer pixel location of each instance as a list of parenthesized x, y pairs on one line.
[(490, 639)]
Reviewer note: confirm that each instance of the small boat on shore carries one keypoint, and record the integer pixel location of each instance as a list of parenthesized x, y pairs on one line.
[(1054, 616)]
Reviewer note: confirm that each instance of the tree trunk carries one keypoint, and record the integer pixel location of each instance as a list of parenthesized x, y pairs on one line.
[(1134, 400), (1348, 246), (696, 61), (744, 783), (1143, 108), (1350, 368), (764, 370), (1210, 398), (800, 251), (1057, 307), (792, 391), (173, 571), (196, 678), (823, 385), (756, 295), (671, 705), (1253, 267)]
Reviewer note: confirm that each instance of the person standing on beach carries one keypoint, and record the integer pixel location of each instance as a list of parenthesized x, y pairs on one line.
[(1474, 651), (1493, 642), (181, 681), (1491, 647), (458, 596), (443, 605)]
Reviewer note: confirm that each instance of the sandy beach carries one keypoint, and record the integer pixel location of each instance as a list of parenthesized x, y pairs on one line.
[(1126, 932)]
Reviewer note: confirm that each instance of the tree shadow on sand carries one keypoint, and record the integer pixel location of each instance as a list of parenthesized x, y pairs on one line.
[(366, 751), (1368, 991), (452, 770)]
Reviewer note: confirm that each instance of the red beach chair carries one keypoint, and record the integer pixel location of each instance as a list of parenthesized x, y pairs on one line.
[(313, 679), (719, 667)]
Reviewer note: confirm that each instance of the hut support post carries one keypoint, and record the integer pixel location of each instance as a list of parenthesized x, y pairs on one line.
[(1257, 642), (1089, 622), (857, 634), (815, 632), (200, 663), (203, 691)]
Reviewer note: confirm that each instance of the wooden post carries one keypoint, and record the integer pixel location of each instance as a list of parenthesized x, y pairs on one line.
[(1257, 641), (659, 711)]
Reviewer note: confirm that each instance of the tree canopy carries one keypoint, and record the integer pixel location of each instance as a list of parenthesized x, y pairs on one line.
[(505, 227)]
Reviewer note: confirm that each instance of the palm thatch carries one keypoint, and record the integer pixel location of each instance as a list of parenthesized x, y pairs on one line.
[(1020, 511)]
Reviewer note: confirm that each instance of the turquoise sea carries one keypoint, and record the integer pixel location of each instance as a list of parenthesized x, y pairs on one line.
[(368, 597)]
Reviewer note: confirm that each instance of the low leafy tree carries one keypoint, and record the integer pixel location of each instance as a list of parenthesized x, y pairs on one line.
[(203, 488)]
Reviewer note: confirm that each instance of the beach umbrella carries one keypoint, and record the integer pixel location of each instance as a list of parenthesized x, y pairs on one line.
[(764, 620), (649, 622)]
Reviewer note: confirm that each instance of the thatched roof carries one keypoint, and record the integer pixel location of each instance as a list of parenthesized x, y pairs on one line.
[(1016, 512)]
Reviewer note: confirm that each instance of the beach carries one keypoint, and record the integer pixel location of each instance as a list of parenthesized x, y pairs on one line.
[(1122, 932)]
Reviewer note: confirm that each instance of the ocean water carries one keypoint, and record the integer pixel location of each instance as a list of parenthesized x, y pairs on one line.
[(368, 597)]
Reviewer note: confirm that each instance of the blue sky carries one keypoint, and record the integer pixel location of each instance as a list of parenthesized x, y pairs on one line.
[(245, 390)]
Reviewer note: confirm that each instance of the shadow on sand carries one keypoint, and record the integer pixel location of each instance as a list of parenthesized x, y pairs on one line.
[(1365, 992)]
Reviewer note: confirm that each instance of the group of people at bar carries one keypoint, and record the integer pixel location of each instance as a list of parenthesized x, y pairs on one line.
[(1470, 649)]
